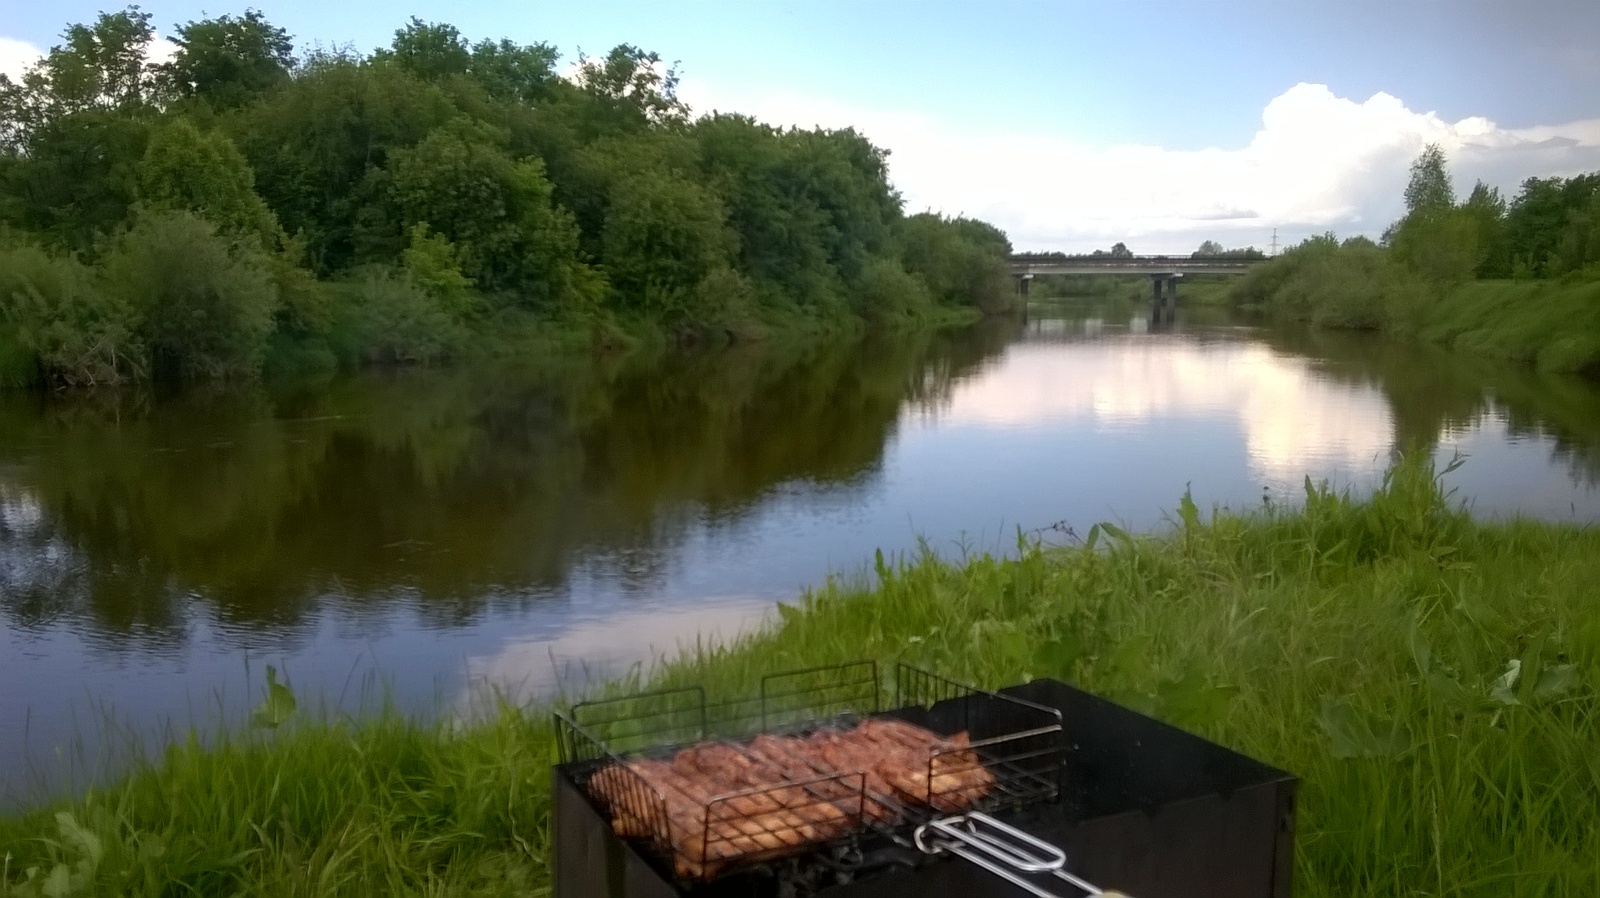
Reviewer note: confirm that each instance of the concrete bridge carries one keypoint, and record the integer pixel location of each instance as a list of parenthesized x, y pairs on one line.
[(1163, 271)]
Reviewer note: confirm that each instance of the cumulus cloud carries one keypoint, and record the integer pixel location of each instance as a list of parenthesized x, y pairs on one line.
[(1317, 162), (16, 56)]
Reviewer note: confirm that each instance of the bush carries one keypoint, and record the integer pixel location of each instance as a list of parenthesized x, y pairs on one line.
[(206, 303), (60, 328), (385, 316), (889, 293)]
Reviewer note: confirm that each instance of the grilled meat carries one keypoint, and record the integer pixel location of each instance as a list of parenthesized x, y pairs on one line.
[(719, 802)]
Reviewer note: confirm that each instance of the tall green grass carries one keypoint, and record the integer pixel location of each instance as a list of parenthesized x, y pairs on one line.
[(1430, 677)]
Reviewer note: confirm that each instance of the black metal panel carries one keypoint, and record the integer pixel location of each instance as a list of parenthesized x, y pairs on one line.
[(1146, 808)]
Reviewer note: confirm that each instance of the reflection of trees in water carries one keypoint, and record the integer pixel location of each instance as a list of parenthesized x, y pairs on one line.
[(455, 490), (1433, 393)]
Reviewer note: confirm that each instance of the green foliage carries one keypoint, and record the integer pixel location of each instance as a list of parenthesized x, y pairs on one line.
[(1429, 189), (962, 260), (663, 235), (498, 212), (888, 293), (1355, 284), (506, 193), (1550, 226), (205, 303), (228, 61), (78, 179), (99, 67), (434, 264), (186, 170), (319, 147), (62, 326), (387, 317), (1443, 246)]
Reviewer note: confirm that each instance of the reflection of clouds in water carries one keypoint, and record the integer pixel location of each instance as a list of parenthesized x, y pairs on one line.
[(19, 510), (1293, 420), (599, 650)]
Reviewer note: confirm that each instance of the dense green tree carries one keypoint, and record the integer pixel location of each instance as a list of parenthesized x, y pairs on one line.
[(1487, 210), (228, 61), (663, 234), (319, 146), (205, 303), (78, 178), (99, 67), (962, 260), (635, 84), (430, 51), (391, 206), (185, 169), (1429, 189), (525, 73), (74, 332), (498, 212), (1438, 240)]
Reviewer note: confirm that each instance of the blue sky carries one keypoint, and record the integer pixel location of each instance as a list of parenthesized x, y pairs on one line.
[(1074, 125)]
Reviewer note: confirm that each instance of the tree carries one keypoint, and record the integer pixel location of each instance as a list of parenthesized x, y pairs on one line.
[(1429, 189), (1120, 250), (187, 170), (100, 66), (1208, 248), (663, 235), (498, 212), (634, 82), (228, 61), (1488, 211), (429, 51)]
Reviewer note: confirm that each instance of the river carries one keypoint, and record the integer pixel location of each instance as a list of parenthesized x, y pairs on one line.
[(423, 537)]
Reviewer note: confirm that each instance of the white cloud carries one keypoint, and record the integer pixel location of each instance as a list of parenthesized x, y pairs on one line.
[(1318, 162), (16, 56)]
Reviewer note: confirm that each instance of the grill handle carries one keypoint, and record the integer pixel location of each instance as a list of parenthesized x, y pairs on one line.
[(1001, 849)]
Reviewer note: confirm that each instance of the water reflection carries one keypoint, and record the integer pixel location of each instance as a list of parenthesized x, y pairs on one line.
[(464, 490), (446, 531)]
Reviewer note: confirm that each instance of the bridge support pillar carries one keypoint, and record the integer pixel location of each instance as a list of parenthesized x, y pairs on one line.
[(1155, 283), (1172, 290), (1023, 280)]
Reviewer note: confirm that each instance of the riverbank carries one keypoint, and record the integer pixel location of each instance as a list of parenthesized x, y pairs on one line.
[(1551, 323), (1430, 677)]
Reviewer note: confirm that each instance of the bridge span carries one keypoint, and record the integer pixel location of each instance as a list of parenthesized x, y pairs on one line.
[(1163, 271)]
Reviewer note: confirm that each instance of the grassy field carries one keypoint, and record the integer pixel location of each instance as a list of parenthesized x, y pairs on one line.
[(1431, 678)]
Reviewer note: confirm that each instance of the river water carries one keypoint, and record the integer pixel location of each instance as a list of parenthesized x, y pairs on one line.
[(422, 536)]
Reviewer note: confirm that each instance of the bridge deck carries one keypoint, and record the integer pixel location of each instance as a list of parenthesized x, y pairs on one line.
[(1151, 265)]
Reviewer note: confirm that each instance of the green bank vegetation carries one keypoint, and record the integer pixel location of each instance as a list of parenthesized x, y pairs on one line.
[(1517, 280), (241, 209), (1431, 677)]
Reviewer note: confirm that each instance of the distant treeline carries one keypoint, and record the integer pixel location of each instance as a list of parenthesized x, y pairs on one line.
[(1517, 279), (241, 208), (1210, 249)]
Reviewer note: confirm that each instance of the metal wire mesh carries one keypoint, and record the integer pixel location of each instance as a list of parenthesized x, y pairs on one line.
[(805, 763)]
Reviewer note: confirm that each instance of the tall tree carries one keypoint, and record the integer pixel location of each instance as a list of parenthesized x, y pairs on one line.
[(1429, 189), (228, 61), (99, 67)]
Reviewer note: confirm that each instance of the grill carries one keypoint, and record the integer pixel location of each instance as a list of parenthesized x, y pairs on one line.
[(1037, 789)]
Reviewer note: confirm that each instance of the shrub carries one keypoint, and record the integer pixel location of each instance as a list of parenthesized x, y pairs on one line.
[(60, 328), (888, 292), (385, 316), (206, 303)]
